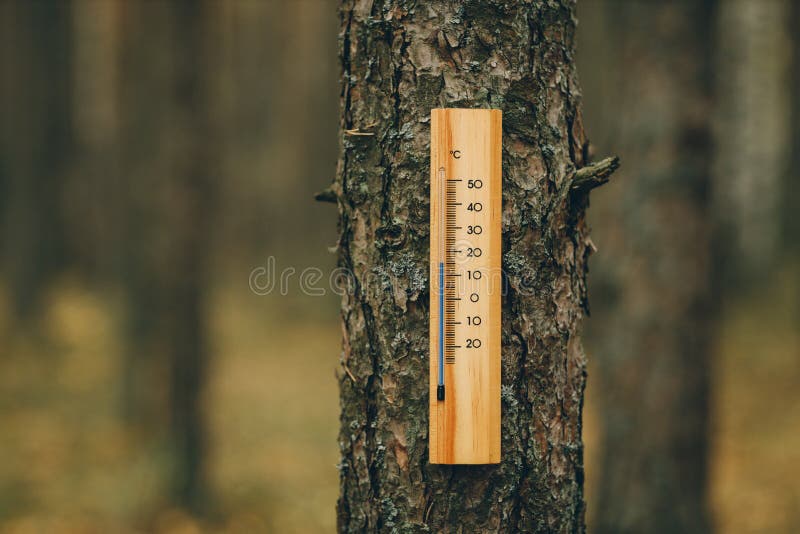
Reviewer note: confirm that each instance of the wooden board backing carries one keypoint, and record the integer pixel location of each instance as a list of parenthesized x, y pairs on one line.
[(465, 426)]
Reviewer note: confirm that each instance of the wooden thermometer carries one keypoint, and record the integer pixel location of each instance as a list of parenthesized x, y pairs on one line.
[(466, 187)]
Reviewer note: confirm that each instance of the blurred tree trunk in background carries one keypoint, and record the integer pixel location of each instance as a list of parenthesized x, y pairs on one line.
[(171, 155), (652, 324), (195, 167), (790, 219), (753, 135), (35, 143), (401, 59), (279, 101), (145, 115), (93, 200)]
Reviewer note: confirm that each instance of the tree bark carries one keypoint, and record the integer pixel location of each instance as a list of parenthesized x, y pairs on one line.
[(653, 324), (400, 58)]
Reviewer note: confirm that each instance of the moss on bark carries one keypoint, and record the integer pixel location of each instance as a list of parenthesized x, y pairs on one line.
[(400, 58)]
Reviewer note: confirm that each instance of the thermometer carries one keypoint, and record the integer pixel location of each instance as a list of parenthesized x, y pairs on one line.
[(466, 281)]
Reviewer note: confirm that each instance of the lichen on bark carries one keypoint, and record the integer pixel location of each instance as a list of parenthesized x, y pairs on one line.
[(400, 58)]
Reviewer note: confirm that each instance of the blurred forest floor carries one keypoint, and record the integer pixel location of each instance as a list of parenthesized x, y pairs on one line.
[(70, 466)]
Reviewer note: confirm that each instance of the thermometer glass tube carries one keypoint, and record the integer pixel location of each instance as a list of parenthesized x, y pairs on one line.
[(442, 256)]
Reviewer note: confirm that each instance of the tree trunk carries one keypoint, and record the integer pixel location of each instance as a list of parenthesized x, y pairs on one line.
[(144, 106), (790, 223), (195, 167), (94, 198), (753, 136), (172, 158), (653, 324), (400, 58), (35, 143)]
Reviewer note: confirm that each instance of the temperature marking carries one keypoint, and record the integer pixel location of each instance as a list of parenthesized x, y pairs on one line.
[(466, 186)]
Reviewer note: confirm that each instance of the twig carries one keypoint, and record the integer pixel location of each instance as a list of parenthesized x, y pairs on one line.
[(594, 174), (357, 132), (349, 373), (326, 195)]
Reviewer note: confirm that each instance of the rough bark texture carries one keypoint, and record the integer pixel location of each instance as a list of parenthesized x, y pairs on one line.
[(653, 319), (400, 59)]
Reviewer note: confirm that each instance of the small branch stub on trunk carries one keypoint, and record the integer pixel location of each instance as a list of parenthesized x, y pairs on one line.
[(594, 175)]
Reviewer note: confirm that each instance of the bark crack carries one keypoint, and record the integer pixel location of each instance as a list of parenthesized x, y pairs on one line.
[(371, 390), (522, 388), (516, 56)]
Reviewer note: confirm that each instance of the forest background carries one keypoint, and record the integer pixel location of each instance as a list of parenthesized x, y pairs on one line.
[(158, 158)]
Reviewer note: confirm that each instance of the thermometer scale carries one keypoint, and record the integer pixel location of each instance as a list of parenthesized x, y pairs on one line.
[(466, 281)]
